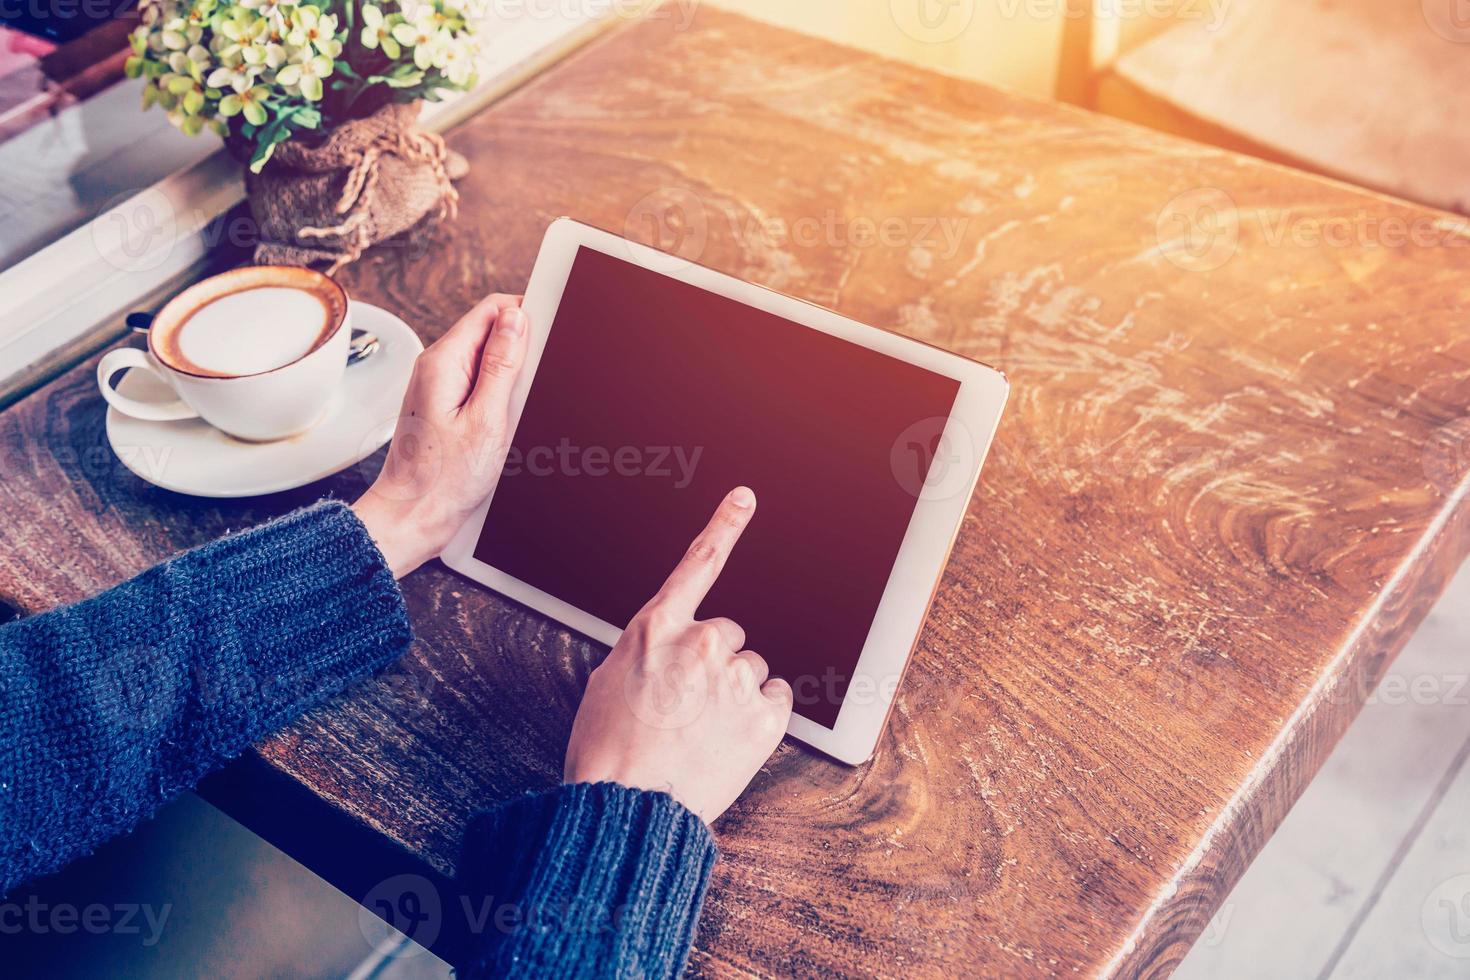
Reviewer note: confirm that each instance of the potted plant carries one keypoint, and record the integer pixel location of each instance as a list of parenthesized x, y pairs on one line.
[(319, 99)]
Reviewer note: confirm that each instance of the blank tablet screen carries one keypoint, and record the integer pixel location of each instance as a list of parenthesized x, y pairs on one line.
[(654, 399)]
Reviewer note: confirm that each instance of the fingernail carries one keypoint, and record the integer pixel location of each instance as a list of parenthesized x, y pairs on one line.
[(742, 497), (512, 321)]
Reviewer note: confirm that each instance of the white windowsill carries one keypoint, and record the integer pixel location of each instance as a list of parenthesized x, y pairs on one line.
[(82, 283)]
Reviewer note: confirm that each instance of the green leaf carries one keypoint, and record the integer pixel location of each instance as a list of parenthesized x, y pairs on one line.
[(277, 130), (266, 139), (406, 81), (261, 154)]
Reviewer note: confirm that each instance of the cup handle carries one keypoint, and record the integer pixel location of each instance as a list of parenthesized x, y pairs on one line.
[(130, 357)]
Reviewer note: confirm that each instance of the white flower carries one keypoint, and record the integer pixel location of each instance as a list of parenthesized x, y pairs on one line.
[(265, 56), (377, 31), (305, 76), (311, 28), (273, 11), (425, 34), (247, 103), (237, 78), (458, 61)]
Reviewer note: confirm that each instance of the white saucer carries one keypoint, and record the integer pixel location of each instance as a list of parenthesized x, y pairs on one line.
[(195, 458)]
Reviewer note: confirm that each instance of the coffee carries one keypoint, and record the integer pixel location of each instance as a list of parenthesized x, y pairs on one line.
[(257, 352), (255, 320)]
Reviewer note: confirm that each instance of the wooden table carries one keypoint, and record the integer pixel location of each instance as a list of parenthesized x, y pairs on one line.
[(1229, 483)]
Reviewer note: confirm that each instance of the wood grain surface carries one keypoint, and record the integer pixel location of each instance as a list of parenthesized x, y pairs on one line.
[(1229, 483)]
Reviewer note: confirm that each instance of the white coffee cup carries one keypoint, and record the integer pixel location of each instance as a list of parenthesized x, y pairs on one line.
[(239, 351)]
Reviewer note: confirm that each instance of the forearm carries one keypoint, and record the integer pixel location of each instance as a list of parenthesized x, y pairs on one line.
[(589, 880), (111, 707)]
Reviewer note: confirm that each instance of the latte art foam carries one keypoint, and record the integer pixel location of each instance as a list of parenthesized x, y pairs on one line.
[(253, 330)]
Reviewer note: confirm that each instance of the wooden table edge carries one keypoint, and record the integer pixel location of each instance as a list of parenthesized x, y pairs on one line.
[(1182, 910)]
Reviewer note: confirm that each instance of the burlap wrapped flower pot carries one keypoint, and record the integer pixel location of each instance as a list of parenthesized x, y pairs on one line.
[(321, 203)]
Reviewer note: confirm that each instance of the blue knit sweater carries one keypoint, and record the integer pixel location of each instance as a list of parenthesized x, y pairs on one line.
[(112, 707)]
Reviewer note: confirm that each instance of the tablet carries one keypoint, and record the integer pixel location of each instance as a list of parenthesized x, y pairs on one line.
[(653, 387)]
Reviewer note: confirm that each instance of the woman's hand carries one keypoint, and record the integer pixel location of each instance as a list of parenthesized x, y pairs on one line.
[(452, 435), (680, 705)]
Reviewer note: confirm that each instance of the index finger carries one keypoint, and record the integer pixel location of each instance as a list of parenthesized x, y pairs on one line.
[(697, 571)]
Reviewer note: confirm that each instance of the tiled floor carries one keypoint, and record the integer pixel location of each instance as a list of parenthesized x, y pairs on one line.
[(1369, 876)]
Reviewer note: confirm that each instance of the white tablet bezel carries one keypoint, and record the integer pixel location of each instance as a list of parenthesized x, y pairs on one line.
[(937, 515)]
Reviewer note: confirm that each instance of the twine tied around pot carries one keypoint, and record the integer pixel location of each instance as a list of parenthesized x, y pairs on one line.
[(369, 180)]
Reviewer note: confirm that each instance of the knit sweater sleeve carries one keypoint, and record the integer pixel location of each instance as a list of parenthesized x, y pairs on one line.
[(111, 707), (587, 880)]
